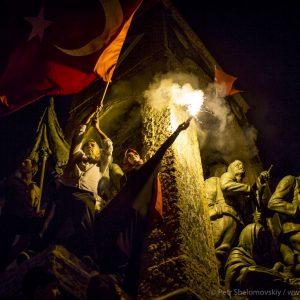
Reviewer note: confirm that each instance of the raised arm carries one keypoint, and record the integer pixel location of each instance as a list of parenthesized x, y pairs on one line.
[(107, 146), (95, 124), (152, 163), (79, 135), (230, 187)]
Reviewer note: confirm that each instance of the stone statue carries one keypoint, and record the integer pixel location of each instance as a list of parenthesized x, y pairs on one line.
[(225, 221), (225, 195), (290, 251), (252, 265), (286, 201)]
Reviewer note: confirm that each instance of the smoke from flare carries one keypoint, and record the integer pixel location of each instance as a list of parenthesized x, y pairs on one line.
[(187, 96), (166, 92)]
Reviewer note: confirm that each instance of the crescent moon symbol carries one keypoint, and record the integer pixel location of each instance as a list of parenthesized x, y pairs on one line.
[(113, 19)]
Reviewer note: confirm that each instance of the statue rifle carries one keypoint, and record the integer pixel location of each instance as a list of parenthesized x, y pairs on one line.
[(259, 191)]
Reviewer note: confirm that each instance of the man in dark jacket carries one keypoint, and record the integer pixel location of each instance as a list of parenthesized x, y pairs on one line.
[(120, 226)]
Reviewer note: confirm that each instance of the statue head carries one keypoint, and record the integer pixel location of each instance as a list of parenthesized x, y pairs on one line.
[(256, 240), (92, 150), (237, 169)]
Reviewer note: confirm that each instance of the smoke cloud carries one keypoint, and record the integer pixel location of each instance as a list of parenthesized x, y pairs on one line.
[(217, 131), (175, 88)]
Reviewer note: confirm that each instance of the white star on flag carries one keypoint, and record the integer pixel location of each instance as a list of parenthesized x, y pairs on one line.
[(39, 24)]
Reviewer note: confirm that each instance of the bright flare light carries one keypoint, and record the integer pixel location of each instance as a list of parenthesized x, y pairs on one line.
[(187, 96)]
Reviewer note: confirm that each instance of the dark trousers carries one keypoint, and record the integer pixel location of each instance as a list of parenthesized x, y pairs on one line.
[(71, 224)]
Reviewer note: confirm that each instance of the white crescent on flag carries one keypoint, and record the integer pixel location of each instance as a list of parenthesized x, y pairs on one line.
[(113, 20)]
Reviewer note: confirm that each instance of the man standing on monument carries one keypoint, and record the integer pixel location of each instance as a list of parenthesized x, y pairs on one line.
[(78, 191)]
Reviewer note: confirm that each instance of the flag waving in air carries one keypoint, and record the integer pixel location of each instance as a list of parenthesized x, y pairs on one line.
[(224, 83), (59, 47)]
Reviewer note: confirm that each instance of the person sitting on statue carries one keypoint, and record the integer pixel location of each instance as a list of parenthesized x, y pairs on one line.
[(77, 194), (225, 196), (20, 215), (120, 227)]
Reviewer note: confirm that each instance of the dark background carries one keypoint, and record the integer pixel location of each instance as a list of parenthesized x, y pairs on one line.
[(259, 43), (255, 42)]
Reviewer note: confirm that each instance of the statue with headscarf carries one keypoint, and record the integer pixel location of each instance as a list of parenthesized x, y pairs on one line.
[(252, 265)]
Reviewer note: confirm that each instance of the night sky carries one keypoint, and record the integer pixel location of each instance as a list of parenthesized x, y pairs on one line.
[(259, 44)]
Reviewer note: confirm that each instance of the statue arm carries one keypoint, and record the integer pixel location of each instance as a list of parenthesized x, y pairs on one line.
[(288, 255), (279, 202), (229, 186)]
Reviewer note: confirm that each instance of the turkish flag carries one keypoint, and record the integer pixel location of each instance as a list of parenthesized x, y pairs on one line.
[(59, 47), (224, 83)]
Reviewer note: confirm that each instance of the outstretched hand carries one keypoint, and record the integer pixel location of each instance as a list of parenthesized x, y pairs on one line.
[(184, 125)]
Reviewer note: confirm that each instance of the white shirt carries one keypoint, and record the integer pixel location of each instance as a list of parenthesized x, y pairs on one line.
[(81, 173)]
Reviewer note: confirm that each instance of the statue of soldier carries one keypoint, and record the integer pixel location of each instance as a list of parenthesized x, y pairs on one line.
[(225, 195)]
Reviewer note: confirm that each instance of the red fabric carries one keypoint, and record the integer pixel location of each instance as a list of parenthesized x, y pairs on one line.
[(107, 61), (156, 205), (60, 50), (224, 83), (158, 196)]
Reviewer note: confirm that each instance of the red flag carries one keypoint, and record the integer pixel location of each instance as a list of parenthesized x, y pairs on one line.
[(224, 83), (62, 47)]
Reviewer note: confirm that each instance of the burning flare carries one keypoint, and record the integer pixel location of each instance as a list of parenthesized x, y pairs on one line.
[(186, 96)]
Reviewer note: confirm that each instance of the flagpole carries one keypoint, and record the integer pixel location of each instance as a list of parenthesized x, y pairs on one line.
[(45, 153), (99, 107)]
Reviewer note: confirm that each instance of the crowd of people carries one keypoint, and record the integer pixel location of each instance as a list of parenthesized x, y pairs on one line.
[(107, 234), (105, 227)]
